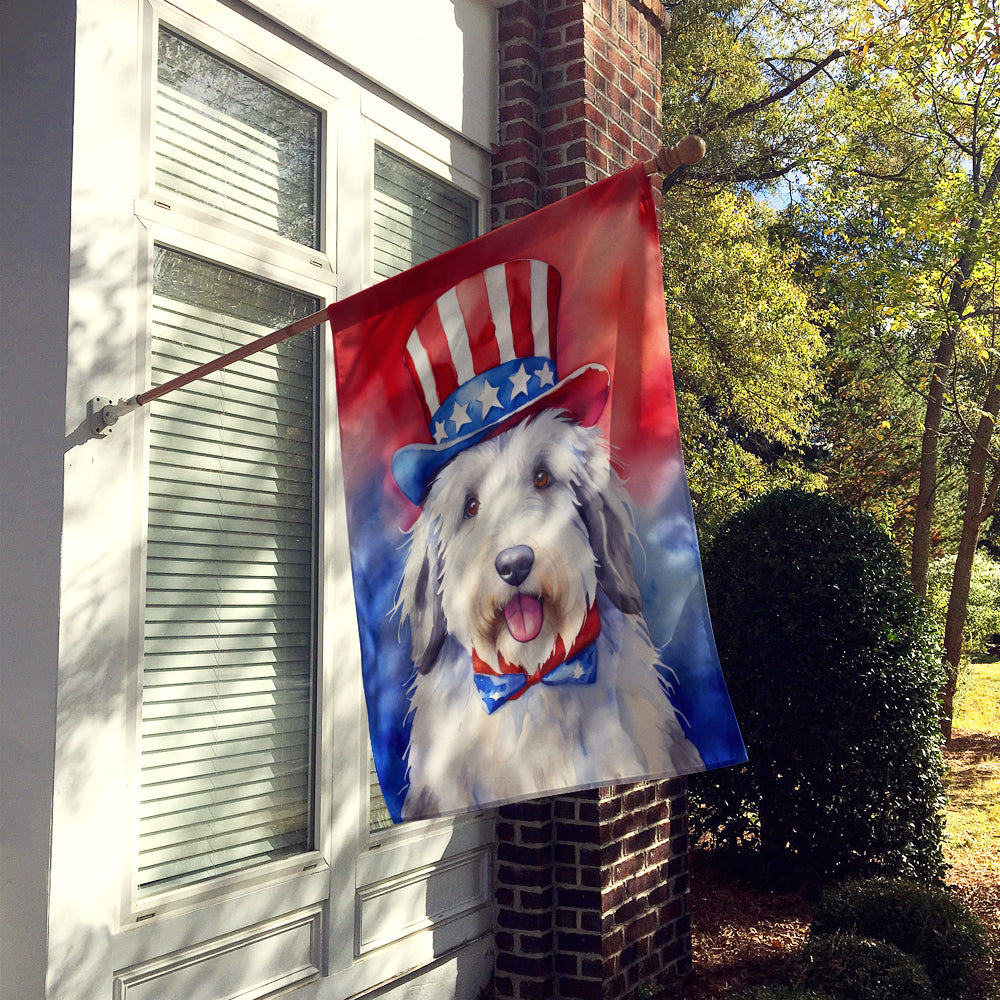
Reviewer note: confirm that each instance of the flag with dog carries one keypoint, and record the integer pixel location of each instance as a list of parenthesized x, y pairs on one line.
[(526, 572)]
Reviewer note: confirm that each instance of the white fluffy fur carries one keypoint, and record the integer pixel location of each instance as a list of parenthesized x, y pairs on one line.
[(577, 520)]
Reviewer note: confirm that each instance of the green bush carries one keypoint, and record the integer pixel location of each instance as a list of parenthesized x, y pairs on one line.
[(982, 618), (925, 922), (833, 672), (856, 968)]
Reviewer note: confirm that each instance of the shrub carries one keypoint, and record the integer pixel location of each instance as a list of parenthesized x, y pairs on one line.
[(925, 922), (833, 673), (982, 620), (856, 968)]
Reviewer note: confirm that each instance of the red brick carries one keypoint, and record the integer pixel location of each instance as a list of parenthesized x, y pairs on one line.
[(536, 944), (567, 133), (567, 964), (552, 78), (521, 130), (521, 876), (518, 49), (641, 927), (599, 101), (564, 54), (574, 988), (642, 882), (520, 95), (535, 899), (520, 920), (639, 840), (535, 989), (538, 966)]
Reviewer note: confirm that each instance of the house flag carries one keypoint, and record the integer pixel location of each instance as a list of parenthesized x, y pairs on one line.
[(528, 586)]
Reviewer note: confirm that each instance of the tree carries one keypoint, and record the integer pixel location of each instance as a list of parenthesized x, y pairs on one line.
[(913, 192), (747, 358), (878, 121), (746, 349), (746, 76)]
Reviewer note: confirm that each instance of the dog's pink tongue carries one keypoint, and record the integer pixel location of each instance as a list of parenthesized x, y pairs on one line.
[(524, 617)]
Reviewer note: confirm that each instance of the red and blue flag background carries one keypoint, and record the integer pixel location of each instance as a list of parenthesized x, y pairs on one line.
[(609, 313)]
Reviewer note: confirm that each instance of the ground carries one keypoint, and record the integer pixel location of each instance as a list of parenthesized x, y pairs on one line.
[(742, 935)]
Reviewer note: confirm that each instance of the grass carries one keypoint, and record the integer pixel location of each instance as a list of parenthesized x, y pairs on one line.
[(972, 848), (973, 783), (978, 698)]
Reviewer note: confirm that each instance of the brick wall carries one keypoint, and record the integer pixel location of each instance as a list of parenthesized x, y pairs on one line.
[(579, 96), (591, 889)]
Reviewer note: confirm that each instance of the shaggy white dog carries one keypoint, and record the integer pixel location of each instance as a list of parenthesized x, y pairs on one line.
[(520, 537)]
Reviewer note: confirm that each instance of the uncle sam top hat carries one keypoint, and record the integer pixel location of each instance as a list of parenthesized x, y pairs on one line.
[(483, 358)]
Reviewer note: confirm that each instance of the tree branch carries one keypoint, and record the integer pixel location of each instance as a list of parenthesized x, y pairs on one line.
[(753, 107)]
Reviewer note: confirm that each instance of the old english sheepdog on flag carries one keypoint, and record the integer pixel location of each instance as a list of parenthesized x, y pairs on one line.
[(526, 572)]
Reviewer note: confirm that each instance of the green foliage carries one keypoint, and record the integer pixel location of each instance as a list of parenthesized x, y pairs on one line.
[(727, 70), (856, 968), (983, 613), (926, 922), (833, 673), (747, 357)]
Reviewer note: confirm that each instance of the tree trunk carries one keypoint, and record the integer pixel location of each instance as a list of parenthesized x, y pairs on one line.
[(980, 499), (920, 553), (958, 299)]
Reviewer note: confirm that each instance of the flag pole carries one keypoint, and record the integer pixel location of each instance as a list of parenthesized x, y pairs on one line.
[(687, 152), (103, 413)]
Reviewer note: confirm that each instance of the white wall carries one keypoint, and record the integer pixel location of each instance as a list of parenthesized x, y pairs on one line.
[(36, 108), (415, 49), (71, 293)]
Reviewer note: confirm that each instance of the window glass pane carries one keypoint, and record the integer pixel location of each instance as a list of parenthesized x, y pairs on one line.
[(228, 140), (416, 216), (228, 656)]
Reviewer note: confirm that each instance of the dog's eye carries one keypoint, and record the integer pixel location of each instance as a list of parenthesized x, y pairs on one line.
[(471, 505), (541, 479)]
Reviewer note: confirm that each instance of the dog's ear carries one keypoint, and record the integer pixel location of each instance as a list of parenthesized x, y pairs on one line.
[(610, 528), (420, 596)]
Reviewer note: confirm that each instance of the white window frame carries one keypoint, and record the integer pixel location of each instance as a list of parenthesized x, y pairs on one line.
[(351, 875), (180, 224)]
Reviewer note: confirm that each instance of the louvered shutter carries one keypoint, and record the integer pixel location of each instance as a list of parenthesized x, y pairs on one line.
[(416, 216), (228, 659)]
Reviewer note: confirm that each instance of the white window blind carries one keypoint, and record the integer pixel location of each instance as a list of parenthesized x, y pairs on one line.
[(416, 216), (228, 140), (228, 660)]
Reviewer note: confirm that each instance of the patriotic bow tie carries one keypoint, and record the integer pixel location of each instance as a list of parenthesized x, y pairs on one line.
[(578, 666)]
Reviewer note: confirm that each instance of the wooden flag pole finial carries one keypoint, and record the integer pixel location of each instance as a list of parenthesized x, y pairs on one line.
[(668, 158)]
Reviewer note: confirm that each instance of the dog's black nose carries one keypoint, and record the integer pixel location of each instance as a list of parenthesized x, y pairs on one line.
[(514, 564)]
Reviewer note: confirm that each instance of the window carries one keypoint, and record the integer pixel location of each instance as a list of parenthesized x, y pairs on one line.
[(229, 648), (210, 830), (227, 140), (228, 680), (416, 216)]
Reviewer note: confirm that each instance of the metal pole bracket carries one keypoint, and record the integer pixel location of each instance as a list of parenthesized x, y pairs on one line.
[(103, 413)]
